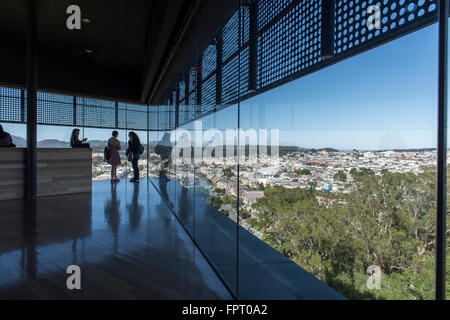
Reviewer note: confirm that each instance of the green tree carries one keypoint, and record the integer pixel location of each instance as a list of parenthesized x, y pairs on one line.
[(386, 220), (340, 176), (227, 172), (220, 191), (302, 172), (216, 202)]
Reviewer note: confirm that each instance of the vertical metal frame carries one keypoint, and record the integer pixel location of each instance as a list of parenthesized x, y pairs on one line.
[(186, 88), (31, 171), (253, 45), (177, 106), (238, 192), (441, 214), (170, 100), (199, 79), (116, 116), (148, 140), (219, 69), (22, 105), (327, 29), (74, 111)]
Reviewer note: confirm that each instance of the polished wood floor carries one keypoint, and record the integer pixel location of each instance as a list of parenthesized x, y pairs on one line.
[(123, 237)]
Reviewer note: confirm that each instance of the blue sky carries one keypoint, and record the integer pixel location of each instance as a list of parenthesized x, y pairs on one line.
[(382, 99)]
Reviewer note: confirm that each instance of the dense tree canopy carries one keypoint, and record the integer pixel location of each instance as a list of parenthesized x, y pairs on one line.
[(385, 220)]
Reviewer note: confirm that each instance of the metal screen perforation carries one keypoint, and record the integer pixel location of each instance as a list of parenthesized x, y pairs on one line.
[(10, 105), (208, 94), (290, 45), (209, 61), (351, 21)]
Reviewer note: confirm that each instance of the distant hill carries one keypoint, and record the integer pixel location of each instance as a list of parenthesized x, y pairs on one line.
[(52, 143), (326, 149), (412, 150), (99, 145), (18, 141)]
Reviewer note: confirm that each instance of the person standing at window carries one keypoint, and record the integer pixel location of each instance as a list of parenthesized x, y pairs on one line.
[(114, 160), (134, 152)]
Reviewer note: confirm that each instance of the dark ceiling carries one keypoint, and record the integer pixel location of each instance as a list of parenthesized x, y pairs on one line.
[(127, 50)]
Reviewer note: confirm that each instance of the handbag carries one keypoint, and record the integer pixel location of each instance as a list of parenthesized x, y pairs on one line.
[(107, 154)]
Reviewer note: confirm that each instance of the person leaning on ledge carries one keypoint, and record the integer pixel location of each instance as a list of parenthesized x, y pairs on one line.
[(5, 139), (77, 143)]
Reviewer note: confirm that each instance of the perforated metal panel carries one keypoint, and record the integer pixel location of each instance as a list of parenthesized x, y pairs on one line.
[(351, 20), (153, 118), (209, 61), (192, 79), (10, 105), (60, 110), (54, 108), (166, 118), (269, 9), (122, 115), (230, 35), (208, 95), (245, 29), (136, 117), (290, 45), (182, 90), (96, 113), (186, 113), (193, 98), (289, 40)]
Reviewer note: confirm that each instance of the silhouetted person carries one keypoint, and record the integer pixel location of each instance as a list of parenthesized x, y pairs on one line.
[(75, 142), (134, 151), (163, 189), (164, 149), (135, 210), (5, 139), (112, 215), (114, 160)]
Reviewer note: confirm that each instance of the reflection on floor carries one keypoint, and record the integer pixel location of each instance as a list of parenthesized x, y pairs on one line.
[(255, 270), (124, 238)]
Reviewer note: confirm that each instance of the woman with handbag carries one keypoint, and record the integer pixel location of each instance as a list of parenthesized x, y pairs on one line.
[(134, 151), (114, 156)]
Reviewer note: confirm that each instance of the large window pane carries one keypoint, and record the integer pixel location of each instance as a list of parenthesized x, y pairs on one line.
[(349, 195)]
